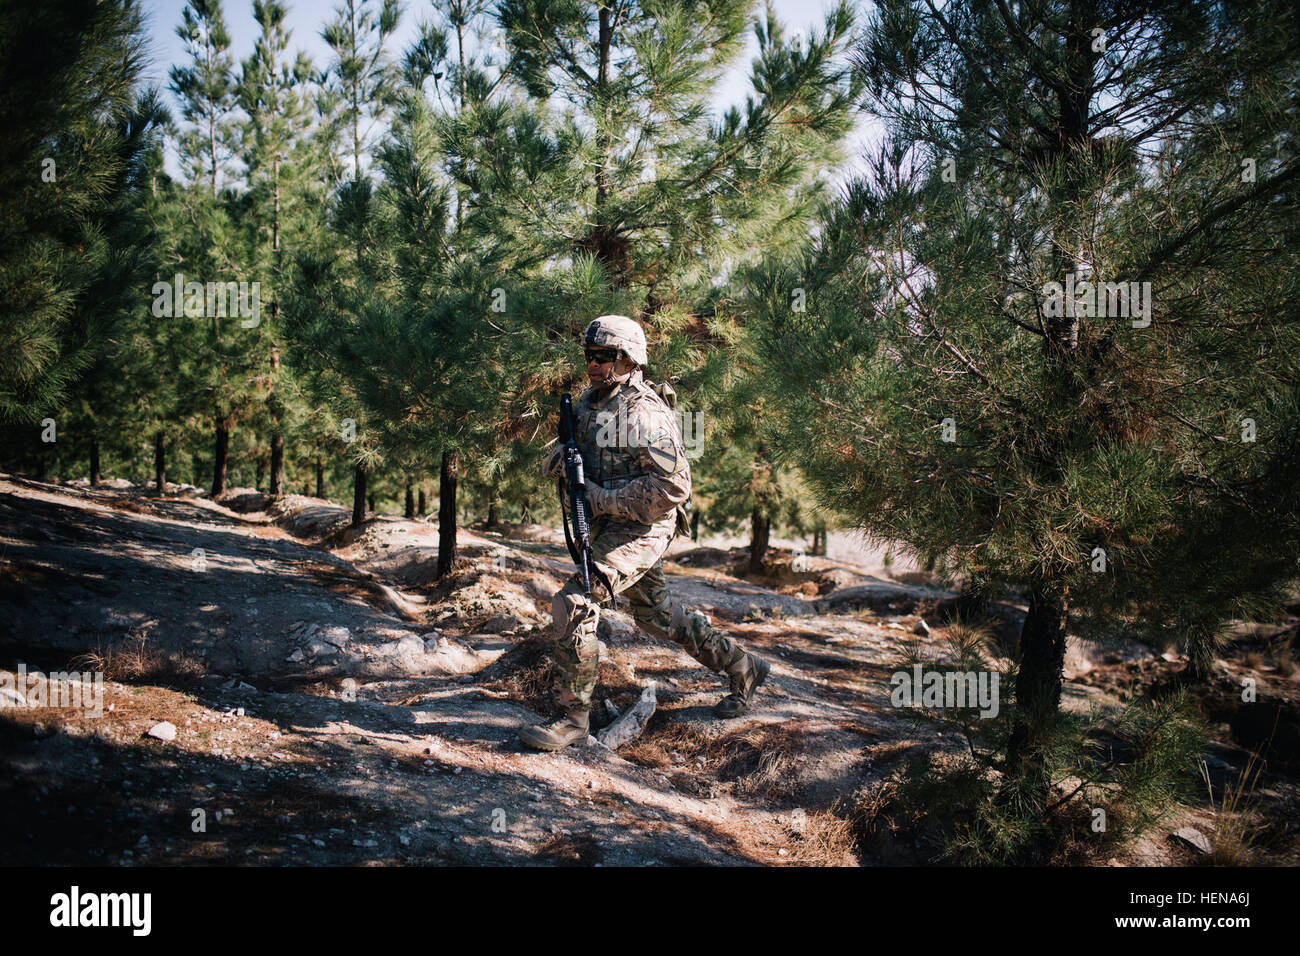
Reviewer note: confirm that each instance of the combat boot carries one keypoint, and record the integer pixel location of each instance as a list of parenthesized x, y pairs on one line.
[(746, 677), (557, 735)]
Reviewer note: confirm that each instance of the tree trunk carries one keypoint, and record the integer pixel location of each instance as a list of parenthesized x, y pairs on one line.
[(760, 530), (159, 464), (277, 464), (1038, 683), (94, 461), (695, 525), (272, 400), (423, 507), (372, 501), (410, 500), (493, 515), (320, 479), (525, 512), (359, 496), (447, 512), (219, 458)]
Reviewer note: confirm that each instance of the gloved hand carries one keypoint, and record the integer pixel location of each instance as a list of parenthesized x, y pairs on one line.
[(599, 501), (553, 466)]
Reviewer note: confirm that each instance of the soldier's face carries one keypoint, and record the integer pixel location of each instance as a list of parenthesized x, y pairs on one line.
[(604, 366)]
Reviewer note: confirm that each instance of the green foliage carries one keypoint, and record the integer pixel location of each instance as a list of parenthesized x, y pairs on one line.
[(207, 91), (80, 125), (931, 393), (971, 809), (361, 76)]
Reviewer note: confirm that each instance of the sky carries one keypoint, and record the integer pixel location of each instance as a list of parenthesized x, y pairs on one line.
[(307, 17)]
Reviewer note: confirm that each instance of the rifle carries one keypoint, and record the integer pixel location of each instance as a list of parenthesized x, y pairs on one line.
[(579, 542)]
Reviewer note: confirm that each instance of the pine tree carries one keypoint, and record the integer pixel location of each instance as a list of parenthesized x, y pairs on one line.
[(206, 89), (78, 125), (634, 176), (942, 394), (361, 75), (277, 152)]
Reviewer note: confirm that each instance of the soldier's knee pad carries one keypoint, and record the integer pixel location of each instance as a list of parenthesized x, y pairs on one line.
[(572, 608)]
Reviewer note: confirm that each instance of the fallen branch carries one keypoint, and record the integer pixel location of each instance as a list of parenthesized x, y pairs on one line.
[(628, 727)]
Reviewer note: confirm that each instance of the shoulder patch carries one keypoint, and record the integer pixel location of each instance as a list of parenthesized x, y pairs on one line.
[(666, 457)]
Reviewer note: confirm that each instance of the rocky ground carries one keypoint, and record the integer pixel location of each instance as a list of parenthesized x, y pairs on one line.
[(333, 702)]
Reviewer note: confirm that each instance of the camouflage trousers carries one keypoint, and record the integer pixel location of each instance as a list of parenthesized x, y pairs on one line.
[(632, 557)]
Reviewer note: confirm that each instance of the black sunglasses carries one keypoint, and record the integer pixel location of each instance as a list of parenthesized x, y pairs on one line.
[(601, 356)]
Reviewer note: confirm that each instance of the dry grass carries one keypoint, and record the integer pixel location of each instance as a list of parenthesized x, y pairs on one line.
[(757, 761), (524, 672), (823, 839), (1231, 842), (133, 659), (567, 850)]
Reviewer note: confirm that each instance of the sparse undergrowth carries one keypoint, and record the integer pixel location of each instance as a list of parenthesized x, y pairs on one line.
[(1111, 779)]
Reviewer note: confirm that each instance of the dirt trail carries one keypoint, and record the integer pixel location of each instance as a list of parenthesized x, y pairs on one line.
[(334, 703)]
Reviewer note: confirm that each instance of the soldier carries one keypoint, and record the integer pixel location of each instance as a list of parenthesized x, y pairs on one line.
[(638, 481)]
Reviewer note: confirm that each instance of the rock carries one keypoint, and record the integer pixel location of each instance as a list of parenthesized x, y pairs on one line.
[(296, 656), (500, 623), (1190, 836), (163, 731), (883, 596), (321, 649), (922, 629), (340, 637), (630, 725), (616, 628), (244, 500)]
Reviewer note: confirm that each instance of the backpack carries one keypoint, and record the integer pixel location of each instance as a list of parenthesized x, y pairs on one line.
[(669, 398)]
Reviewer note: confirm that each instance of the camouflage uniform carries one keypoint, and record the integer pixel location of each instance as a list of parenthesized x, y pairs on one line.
[(639, 481)]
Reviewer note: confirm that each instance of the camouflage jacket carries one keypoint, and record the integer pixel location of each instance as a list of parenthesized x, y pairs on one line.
[(631, 447)]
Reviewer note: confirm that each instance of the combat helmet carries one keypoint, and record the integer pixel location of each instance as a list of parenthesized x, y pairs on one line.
[(617, 332)]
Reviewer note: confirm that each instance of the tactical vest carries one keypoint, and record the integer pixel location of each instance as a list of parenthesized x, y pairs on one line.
[(619, 462), (613, 461)]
